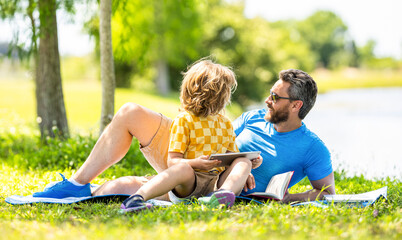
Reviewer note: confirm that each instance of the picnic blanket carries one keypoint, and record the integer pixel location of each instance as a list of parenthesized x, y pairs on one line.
[(18, 200), (351, 200)]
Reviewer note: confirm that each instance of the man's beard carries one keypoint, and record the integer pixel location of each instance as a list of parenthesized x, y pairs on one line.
[(277, 116)]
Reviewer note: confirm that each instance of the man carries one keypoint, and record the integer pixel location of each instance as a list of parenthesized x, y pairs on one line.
[(279, 133), (284, 141)]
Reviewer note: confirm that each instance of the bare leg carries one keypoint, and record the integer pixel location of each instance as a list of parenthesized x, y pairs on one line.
[(235, 176), (125, 185), (130, 121), (180, 177)]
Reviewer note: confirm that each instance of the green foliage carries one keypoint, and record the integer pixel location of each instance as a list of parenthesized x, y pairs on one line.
[(8, 8), (29, 152), (123, 72), (28, 10), (325, 32), (23, 171), (272, 221), (181, 32), (162, 30)]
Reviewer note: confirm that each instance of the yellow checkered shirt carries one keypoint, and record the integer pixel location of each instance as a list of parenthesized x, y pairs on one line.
[(196, 136)]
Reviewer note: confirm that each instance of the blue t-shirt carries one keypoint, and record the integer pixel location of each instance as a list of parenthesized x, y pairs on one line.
[(299, 150)]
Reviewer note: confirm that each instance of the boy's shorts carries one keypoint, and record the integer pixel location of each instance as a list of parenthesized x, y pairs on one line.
[(156, 152), (204, 183)]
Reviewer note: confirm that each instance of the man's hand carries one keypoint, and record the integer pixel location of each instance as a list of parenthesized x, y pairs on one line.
[(250, 183), (256, 162), (321, 187), (287, 198)]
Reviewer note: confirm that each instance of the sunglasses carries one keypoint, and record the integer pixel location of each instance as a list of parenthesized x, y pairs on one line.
[(275, 97)]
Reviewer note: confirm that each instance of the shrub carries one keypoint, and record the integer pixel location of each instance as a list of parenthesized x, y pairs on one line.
[(29, 152)]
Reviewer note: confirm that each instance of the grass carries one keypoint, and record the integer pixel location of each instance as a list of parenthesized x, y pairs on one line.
[(356, 78), (27, 165), (82, 100), (272, 221)]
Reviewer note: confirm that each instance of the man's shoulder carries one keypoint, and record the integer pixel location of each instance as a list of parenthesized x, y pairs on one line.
[(313, 142), (311, 135), (255, 114)]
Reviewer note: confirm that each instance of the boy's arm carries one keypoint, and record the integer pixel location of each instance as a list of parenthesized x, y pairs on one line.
[(198, 163)]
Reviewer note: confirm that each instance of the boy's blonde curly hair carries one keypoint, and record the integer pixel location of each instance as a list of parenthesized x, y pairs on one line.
[(206, 88)]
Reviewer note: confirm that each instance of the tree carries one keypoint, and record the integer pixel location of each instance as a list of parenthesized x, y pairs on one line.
[(325, 33), (51, 111), (49, 93), (107, 67), (159, 33)]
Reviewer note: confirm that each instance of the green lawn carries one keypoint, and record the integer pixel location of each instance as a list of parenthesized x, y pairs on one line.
[(356, 78), (273, 221), (83, 102), (27, 165)]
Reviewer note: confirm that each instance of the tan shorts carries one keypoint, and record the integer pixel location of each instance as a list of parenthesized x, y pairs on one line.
[(156, 152), (204, 183)]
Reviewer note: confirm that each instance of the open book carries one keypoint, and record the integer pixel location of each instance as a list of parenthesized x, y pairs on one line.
[(362, 199), (227, 158), (276, 188)]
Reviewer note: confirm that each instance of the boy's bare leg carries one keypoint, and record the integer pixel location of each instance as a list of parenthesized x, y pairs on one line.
[(235, 176), (180, 177), (125, 185), (132, 120)]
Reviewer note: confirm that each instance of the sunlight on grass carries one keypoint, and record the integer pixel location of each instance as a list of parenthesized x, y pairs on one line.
[(356, 78), (27, 166), (103, 221), (82, 100), (272, 221)]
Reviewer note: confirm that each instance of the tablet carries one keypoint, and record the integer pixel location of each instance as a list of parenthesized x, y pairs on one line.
[(227, 158)]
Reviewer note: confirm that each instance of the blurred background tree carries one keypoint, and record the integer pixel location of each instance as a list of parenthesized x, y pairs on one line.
[(106, 63), (151, 37), (155, 40), (44, 50)]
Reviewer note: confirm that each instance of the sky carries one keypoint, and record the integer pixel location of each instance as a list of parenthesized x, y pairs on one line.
[(380, 20)]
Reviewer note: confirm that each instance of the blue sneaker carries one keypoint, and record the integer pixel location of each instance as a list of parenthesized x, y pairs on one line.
[(217, 198), (64, 189), (134, 203)]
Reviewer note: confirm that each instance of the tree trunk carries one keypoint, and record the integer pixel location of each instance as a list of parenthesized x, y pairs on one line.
[(162, 79), (49, 92), (107, 65)]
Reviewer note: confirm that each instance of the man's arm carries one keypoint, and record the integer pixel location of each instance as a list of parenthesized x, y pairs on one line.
[(321, 187)]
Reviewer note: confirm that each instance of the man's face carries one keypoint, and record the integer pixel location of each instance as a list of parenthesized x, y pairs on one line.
[(278, 111)]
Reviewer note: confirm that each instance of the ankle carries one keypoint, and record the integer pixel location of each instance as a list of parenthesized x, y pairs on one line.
[(138, 197), (75, 182)]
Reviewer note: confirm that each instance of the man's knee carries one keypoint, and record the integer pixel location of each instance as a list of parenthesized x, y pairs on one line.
[(130, 111)]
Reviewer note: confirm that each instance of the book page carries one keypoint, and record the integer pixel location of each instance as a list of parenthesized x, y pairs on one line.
[(278, 184), (362, 197)]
